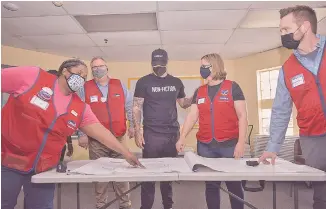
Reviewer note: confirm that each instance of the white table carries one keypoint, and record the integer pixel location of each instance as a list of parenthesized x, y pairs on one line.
[(202, 175)]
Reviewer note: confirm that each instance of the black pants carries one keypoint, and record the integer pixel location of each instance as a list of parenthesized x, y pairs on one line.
[(158, 145), (63, 152)]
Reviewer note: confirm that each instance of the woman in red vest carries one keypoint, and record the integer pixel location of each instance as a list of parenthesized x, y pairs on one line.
[(41, 112), (221, 109)]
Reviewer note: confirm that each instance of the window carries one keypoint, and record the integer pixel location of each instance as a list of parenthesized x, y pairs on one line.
[(267, 84), (265, 118)]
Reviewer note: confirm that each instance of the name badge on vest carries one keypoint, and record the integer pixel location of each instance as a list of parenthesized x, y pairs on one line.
[(297, 80), (74, 113), (39, 103), (224, 99), (201, 100), (103, 99), (94, 99)]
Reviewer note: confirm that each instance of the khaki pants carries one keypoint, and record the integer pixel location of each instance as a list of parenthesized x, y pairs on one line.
[(97, 150)]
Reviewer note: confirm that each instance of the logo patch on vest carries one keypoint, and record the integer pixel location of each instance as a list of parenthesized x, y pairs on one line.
[(224, 92), (117, 95), (297, 80), (201, 100), (94, 99), (45, 94), (71, 124)]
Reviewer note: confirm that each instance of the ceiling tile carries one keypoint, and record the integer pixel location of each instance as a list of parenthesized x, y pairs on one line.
[(118, 22), (233, 51), (200, 20), (126, 38), (256, 35), (284, 4), (195, 37), (201, 5), (191, 51), (32, 9), (270, 18), (129, 53), (59, 41), (108, 7), (9, 40), (85, 53), (50, 25)]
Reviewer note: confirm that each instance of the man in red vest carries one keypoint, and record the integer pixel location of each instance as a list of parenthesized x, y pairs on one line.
[(302, 81), (110, 100)]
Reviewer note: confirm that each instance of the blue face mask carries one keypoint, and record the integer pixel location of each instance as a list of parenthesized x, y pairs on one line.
[(205, 71)]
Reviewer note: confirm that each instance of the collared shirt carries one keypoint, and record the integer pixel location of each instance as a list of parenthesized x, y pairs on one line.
[(282, 105), (104, 90)]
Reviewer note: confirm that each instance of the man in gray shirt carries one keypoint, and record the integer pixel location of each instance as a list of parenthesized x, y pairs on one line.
[(110, 101), (302, 81)]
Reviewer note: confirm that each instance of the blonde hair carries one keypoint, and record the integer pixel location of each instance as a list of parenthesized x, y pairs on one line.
[(218, 71)]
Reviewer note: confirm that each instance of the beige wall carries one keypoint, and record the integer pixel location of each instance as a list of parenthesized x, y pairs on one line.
[(241, 70)]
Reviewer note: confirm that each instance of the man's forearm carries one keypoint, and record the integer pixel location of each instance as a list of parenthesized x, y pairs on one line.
[(129, 106), (185, 102), (136, 119), (281, 114), (136, 110)]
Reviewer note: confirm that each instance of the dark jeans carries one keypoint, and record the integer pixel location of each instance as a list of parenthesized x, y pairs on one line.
[(212, 188), (36, 196), (158, 145)]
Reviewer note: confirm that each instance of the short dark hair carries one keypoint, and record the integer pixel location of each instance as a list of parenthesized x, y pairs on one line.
[(68, 64), (302, 13), (53, 72)]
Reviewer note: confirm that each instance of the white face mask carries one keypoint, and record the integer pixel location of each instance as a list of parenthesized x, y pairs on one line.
[(75, 82)]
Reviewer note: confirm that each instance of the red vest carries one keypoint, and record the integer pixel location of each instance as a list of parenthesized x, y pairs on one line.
[(218, 118), (109, 110), (33, 136), (308, 93)]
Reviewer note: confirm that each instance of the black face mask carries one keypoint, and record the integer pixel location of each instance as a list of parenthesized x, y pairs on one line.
[(204, 71), (289, 42), (159, 71)]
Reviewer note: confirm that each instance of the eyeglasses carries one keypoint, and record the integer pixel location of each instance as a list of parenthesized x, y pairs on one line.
[(79, 73), (99, 67), (206, 66)]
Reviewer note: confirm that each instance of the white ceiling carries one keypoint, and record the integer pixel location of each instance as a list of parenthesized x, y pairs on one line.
[(187, 30)]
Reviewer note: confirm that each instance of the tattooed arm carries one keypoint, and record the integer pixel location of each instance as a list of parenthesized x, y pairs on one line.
[(182, 100), (136, 112), (185, 102)]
